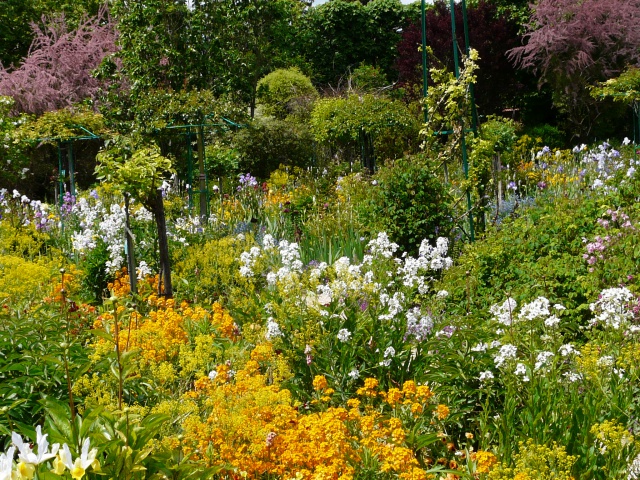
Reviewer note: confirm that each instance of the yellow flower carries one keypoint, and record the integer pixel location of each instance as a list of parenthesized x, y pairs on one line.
[(442, 411), (484, 461), (77, 472), (26, 470), (319, 382), (58, 465)]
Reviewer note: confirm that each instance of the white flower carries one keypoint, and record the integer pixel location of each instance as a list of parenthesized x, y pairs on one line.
[(480, 347), (521, 370), (612, 307), (542, 359), (507, 352), (6, 463), (213, 374), (86, 459), (572, 376), (382, 246), (273, 329), (344, 335), (143, 270), (442, 294), (536, 309), (504, 313), (486, 376), (354, 374), (552, 321), (567, 349), (26, 453)]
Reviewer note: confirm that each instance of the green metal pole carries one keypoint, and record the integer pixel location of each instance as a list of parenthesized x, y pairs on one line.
[(474, 111), (463, 143), (424, 61), (72, 176), (60, 174), (204, 193), (190, 168), (455, 40)]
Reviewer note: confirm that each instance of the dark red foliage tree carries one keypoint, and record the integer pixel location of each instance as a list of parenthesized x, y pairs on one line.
[(572, 45), (57, 71), (491, 33)]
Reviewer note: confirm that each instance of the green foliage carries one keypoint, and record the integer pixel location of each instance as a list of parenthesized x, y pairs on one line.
[(223, 46), (342, 123), (35, 340), (284, 92), (61, 125), (367, 79), (210, 271), (137, 171), (12, 157), (269, 143), (624, 88), (409, 202), (94, 272), (552, 135), (338, 35)]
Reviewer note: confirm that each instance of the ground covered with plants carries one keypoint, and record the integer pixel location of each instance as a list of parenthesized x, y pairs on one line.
[(277, 240), (303, 341)]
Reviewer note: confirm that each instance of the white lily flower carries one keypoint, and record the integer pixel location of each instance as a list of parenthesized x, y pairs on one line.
[(86, 459), (26, 452), (6, 464)]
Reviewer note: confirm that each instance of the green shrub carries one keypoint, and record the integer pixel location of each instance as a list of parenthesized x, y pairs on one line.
[(408, 202), (286, 91), (268, 143)]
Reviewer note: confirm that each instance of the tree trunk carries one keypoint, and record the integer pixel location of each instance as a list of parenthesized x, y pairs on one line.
[(131, 259), (163, 244)]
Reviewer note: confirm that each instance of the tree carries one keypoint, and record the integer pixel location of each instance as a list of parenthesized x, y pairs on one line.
[(224, 46), (17, 17), (139, 170), (339, 35), (285, 91), (57, 71), (355, 120), (572, 45)]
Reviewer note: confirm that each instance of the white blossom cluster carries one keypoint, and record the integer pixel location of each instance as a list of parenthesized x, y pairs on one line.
[(248, 260), (418, 325), (381, 246), (504, 313), (273, 329), (612, 308), (633, 472), (507, 352)]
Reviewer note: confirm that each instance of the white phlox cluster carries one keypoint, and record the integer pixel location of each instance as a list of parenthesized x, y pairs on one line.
[(612, 308)]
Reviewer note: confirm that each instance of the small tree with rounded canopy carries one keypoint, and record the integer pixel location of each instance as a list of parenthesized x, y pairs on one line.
[(285, 91)]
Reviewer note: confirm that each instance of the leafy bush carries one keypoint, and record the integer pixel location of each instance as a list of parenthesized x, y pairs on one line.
[(268, 143), (408, 202), (286, 91)]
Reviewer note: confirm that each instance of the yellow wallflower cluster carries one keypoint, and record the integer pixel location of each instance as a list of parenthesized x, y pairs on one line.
[(251, 426), (484, 461), (21, 279)]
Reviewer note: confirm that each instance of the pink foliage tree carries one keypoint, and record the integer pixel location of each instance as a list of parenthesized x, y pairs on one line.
[(57, 71), (574, 44)]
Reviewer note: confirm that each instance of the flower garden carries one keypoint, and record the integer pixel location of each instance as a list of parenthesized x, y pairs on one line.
[(301, 342), (276, 240)]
